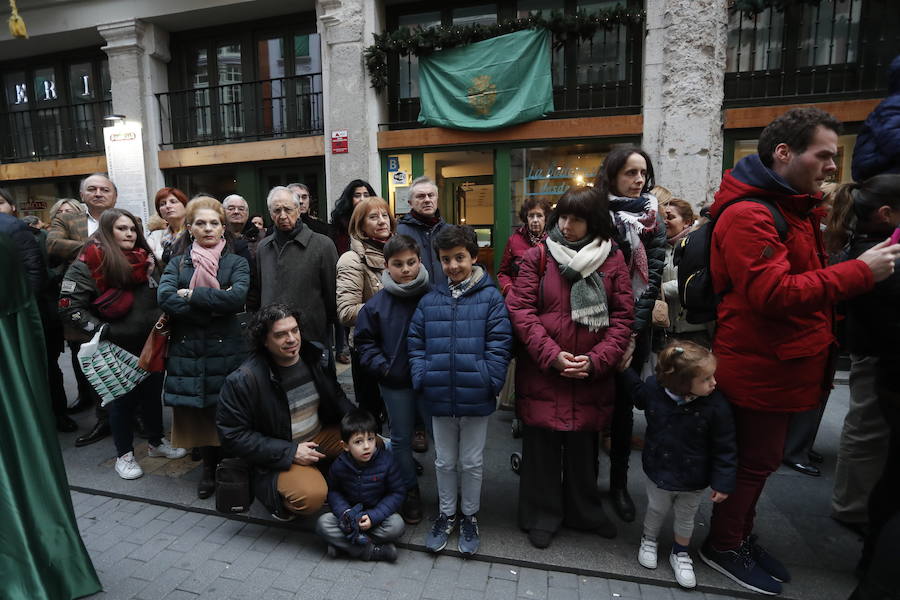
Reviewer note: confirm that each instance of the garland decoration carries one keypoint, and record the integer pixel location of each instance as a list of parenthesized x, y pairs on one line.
[(754, 7), (423, 41)]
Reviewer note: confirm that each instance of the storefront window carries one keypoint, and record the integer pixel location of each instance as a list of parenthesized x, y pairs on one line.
[(547, 172), (408, 77), (38, 197)]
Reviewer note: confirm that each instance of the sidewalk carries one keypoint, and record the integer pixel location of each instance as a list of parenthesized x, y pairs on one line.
[(152, 552), (793, 519)]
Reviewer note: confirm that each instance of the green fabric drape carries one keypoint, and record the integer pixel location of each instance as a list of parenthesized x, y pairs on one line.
[(41, 552), (488, 85)]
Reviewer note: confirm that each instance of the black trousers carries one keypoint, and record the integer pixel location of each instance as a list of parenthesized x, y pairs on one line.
[(85, 391), (623, 417), (54, 343), (366, 390), (558, 480)]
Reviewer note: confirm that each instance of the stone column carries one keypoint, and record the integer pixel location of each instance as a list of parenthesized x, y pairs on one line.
[(684, 86), (346, 28), (138, 53)]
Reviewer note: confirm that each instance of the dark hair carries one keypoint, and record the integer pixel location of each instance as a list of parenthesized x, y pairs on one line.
[(679, 363), (343, 208), (4, 193), (261, 323), (795, 128), (115, 267), (165, 192), (855, 203), (400, 243), (615, 161), (456, 235), (358, 420), (589, 204), (532, 203)]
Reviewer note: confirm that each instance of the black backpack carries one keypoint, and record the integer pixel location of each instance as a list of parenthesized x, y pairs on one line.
[(233, 492), (695, 286)]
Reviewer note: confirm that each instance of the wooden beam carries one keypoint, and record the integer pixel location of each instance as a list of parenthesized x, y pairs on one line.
[(44, 169), (847, 111), (244, 152), (550, 129)]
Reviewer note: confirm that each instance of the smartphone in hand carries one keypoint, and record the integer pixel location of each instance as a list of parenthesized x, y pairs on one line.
[(895, 237)]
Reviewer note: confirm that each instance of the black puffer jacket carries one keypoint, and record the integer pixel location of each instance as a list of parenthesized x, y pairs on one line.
[(687, 447), (33, 264), (254, 420), (873, 319)]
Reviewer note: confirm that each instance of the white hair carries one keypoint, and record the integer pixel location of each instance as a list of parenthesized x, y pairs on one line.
[(233, 198), (422, 180), (277, 190)]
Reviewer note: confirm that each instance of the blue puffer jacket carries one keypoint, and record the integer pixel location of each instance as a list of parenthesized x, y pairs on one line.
[(377, 485), (459, 349), (877, 147), (687, 447), (423, 234), (380, 337)]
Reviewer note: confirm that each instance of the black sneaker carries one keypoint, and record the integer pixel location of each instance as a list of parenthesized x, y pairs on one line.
[(769, 563), (380, 552), (469, 539), (440, 533), (740, 568)]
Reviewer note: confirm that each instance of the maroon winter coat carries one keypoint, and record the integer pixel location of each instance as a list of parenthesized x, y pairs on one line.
[(540, 312), (518, 244)]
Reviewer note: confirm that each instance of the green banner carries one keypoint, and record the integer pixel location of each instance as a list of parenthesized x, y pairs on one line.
[(488, 85)]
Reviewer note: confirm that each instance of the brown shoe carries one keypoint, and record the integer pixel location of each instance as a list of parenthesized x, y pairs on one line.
[(343, 358), (420, 441)]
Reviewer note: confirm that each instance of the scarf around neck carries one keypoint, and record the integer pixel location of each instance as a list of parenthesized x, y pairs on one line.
[(578, 264), (631, 226), (672, 241), (416, 287), (428, 221), (206, 265), (458, 289), (140, 261)]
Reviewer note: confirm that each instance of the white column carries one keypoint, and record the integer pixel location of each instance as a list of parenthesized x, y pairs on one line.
[(346, 28), (138, 53), (684, 86)]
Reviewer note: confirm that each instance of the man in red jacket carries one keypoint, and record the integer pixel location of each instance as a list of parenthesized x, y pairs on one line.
[(774, 336)]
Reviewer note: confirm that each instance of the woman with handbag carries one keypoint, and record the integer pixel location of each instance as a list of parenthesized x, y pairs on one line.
[(202, 291), (112, 285)]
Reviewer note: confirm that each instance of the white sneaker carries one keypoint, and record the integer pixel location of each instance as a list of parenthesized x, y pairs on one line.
[(647, 553), (683, 567), (127, 467), (166, 450)]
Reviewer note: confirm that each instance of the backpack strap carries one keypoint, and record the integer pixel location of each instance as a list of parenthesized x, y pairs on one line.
[(781, 225)]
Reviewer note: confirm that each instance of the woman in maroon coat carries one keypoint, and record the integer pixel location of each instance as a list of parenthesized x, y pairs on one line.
[(571, 308), (533, 214)]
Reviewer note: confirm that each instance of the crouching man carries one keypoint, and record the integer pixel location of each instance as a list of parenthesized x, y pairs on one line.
[(281, 412)]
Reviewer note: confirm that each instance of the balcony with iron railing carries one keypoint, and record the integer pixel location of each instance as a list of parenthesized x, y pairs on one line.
[(241, 112), (811, 52), (53, 132), (600, 75)]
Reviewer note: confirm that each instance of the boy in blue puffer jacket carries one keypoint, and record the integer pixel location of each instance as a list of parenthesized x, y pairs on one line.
[(365, 491), (459, 348)]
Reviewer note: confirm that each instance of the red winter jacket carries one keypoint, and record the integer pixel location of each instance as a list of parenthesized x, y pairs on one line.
[(774, 330), (518, 244), (540, 312)]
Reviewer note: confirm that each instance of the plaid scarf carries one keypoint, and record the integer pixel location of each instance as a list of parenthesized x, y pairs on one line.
[(578, 264)]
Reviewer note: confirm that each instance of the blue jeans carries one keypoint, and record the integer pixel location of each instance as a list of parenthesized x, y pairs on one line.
[(146, 398), (402, 407)]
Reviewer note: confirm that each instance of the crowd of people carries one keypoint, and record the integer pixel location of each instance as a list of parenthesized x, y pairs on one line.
[(583, 324)]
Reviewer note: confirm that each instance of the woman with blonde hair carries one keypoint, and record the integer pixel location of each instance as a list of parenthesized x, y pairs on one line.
[(359, 270), (202, 291)]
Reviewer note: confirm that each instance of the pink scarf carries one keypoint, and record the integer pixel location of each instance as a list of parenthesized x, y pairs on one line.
[(206, 265)]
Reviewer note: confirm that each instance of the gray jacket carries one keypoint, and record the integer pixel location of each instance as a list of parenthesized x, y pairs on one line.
[(302, 274)]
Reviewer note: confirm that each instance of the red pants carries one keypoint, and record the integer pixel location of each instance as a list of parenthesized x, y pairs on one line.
[(760, 445)]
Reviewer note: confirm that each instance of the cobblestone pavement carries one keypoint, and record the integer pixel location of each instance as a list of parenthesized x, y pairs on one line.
[(153, 552)]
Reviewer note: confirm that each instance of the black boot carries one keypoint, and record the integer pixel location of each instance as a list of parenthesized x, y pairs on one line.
[(411, 510), (65, 424), (622, 503), (207, 485), (97, 433)]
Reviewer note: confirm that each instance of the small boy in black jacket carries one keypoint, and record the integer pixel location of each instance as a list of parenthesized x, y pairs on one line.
[(689, 446), (365, 492)]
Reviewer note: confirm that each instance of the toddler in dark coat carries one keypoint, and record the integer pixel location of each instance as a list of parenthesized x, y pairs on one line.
[(364, 483), (690, 445)]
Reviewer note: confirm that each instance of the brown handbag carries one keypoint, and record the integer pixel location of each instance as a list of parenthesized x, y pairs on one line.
[(660, 315), (153, 356)]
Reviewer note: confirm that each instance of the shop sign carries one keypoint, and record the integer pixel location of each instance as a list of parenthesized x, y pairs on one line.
[(36, 205), (399, 178), (339, 141), (125, 165), (393, 164)]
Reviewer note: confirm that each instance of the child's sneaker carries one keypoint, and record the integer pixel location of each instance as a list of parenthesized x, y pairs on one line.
[(469, 539), (683, 567), (127, 467), (440, 533), (740, 568), (165, 450), (647, 553), (380, 552)]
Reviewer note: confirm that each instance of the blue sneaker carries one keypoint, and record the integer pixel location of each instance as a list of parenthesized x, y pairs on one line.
[(740, 568), (440, 533), (766, 561), (468, 535)]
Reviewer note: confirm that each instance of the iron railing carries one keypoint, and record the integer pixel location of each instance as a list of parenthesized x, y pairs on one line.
[(240, 112), (832, 50), (61, 131), (596, 76)]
